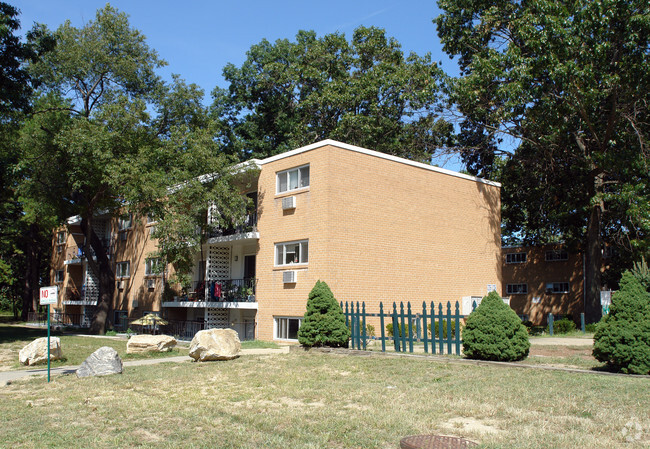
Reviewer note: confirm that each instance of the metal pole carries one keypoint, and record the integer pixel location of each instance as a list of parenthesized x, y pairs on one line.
[(48, 343)]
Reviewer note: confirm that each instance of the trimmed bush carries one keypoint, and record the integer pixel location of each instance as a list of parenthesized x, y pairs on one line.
[(444, 329), (622, 338), (564, 326), (324, 321), (494, 332)]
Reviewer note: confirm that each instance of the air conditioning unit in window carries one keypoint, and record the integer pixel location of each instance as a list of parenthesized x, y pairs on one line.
[(289, 277), (289, 203), (151, 284), (549, 288), (121, 285)]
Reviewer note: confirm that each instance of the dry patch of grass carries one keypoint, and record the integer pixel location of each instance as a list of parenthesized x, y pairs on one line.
[(311, 400)]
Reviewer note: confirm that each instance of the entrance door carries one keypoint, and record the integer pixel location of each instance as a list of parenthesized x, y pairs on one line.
[(249, 267)]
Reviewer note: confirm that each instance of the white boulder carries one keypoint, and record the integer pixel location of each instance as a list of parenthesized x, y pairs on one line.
[(150, 343), (215, 344), (36, 352)]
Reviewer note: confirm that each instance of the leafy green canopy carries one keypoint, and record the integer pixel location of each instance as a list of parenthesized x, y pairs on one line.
[(109, 136), (363, 92), (495, 332), (622, 338), (570, 82), (324, 321)]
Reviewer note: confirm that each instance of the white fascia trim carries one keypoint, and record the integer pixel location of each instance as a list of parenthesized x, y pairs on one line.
[(389, 157), (242, 167)]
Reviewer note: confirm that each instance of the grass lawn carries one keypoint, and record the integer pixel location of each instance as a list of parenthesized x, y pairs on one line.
[(313, 400)]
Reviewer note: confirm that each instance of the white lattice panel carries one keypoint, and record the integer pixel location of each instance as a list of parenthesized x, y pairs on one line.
[(91, 285), (88, 312), (99, 226), (216, 318), (218, 263)]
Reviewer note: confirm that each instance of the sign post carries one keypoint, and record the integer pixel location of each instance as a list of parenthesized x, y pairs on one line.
[(49, 296)]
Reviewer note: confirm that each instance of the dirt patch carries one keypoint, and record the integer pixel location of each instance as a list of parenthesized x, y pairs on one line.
[(560, 351), (465, 424)]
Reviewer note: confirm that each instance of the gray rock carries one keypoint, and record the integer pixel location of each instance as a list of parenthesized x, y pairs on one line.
[(102, 362), (215, 344)]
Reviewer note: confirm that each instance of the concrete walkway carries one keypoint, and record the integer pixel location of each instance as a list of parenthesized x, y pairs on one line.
[(7, 377), (561, 341)]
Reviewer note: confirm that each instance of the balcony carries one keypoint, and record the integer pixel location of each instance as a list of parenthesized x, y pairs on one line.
[(226, 293), (73, 297), (74, 255), (246, 230)]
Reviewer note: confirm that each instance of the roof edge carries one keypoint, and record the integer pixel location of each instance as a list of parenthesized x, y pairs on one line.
[(374, 153)]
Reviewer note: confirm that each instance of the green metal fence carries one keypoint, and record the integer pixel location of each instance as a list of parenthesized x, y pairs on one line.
[(438, 332)]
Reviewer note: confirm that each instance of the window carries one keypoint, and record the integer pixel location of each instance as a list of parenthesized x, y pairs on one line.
[(122, 269), (516, 258), (296, 178), (556, 255), (558, 287), (152, 232), (152, 266), (291, 253), (516, 289), (151, 218), (124, 222), (60, 238), (121, 320), (58, 276), (287, 328)]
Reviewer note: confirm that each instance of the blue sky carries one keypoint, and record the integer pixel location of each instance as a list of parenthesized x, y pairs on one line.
[(198, 38)]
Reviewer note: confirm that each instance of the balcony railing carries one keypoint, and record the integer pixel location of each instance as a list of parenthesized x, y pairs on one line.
[(224, 290), (77, 252), (249, 224)]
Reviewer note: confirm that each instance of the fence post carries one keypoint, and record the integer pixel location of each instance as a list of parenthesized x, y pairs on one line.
[(410, 326), (457, 321), (424, 327), (395, 328), (381, 323), (402, 329), (550, 324), (448, 327), (582, 323), (363, 323), (432, 317), (358, 326), (441, 319)]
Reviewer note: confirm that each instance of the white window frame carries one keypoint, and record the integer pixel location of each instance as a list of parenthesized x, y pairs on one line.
[(152, 266), (516, 257), (281, 250), (516, 289), (119, 269), (281, 327), (302, 174), (59, 276), (124, 223), (556, 255), (558, 287), (60, 238)]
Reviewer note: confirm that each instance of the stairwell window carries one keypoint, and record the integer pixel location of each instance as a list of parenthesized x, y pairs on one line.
[(291, 253), (124, 222), (292, 179), (516, 289), (122, 269)]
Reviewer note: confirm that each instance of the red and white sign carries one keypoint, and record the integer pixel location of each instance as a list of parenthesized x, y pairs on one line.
[(49, 295)]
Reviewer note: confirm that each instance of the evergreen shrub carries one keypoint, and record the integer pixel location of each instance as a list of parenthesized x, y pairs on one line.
[(444, 329), (324, 321), (622, 338), (494, 332), (409, 329)]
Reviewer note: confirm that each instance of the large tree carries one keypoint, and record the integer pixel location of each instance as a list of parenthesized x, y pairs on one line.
[(24, 239), (363, 92), (570, 82), (107, 136)]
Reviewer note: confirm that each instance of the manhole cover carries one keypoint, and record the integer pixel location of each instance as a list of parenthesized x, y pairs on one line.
[(435, 442)]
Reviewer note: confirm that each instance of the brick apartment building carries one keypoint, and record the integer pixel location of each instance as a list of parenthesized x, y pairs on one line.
[(543, 279), (375, 227)]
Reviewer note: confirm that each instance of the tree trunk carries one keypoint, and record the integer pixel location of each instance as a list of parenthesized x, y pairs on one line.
[(104, 272), (30, 292), (593, 260)]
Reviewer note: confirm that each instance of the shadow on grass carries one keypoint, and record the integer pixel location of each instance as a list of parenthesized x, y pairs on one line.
[(10, 334)]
